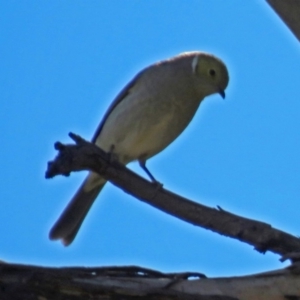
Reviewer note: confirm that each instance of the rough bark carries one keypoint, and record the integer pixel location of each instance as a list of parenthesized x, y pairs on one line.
[(86, 156), (289, 12), (133, 283)]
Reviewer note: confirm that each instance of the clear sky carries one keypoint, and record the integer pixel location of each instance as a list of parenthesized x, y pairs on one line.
[(63, 62)]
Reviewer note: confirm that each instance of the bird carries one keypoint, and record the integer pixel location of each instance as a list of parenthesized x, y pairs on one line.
[(149, 113)]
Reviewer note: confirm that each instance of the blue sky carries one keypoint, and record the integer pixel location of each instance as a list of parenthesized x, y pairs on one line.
[(62, 63)]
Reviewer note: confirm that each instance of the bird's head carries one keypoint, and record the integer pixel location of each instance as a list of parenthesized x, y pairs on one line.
[(211, 73)]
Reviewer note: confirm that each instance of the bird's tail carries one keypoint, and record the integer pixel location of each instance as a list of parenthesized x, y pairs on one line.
[(68, 224)]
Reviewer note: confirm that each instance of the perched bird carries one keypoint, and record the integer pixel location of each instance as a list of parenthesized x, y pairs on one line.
[(147, 115)]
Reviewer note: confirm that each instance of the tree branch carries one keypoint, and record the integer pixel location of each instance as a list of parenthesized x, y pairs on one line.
[(87, 156), (288, 11), (20, 282)]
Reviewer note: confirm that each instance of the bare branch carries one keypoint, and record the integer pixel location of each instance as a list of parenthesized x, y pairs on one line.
[(133, 283), (288, 11), (87, 156)]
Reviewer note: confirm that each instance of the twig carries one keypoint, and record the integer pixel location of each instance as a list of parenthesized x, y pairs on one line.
[(87, 156)]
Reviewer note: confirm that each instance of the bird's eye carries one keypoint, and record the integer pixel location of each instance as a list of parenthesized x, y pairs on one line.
[(212, 72)]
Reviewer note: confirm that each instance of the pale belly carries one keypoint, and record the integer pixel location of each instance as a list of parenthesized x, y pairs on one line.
[(137, 130)]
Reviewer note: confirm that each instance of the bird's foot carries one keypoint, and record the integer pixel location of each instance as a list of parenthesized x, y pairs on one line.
[(112, 155)]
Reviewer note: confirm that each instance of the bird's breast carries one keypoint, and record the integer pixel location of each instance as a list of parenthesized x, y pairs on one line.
[(142, 125)]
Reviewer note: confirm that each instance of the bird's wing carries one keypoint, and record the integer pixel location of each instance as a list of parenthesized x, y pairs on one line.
[(124, 92)]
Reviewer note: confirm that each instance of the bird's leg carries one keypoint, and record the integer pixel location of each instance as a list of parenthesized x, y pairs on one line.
[(143, 166), (154, 181), (112, 156)]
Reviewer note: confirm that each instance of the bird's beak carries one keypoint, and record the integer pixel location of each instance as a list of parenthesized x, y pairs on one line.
[(222, 93)]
